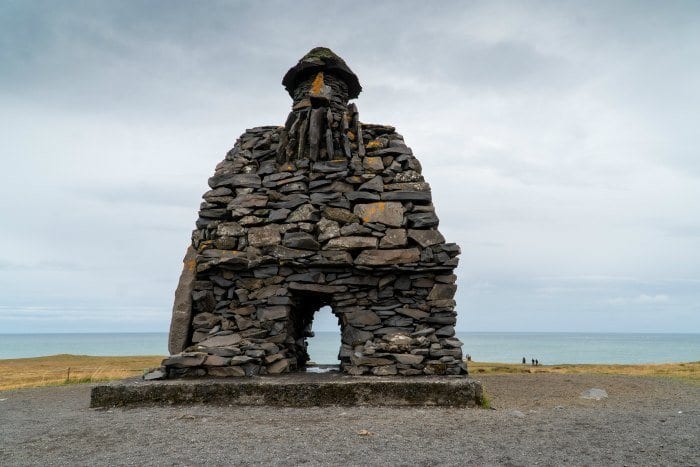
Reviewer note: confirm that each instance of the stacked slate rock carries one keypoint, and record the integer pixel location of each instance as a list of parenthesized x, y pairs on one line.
[(324, 211)]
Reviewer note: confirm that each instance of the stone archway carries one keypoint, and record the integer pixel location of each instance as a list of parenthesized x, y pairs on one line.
[(301, 316)]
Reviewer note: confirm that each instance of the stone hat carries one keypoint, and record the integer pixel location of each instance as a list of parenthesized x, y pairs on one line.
[(321, 59)]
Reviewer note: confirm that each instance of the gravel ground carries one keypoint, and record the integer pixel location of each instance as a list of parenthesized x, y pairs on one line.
[(539, 419)]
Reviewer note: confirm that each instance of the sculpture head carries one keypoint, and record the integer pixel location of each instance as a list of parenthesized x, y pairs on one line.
[(321, 76)]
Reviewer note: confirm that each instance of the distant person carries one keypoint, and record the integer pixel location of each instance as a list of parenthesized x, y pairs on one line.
[(537, 362), (533, 362), (469, 358), (524, 361)]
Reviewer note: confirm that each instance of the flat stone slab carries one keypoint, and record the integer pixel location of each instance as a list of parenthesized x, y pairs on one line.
[(303, 389)]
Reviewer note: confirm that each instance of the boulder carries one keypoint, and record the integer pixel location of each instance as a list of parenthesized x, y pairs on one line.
[(182, 307), (393, 238), (280, 366), (387, 257), (185, 360), (426, 238), (301, 240), (442, 292), (361, 318), (408, 359), (387, 213), (226, 371), (340, 215), (264, 236), (273, 313), (384, 370), (221, 341), (351, 243), (304, 213)]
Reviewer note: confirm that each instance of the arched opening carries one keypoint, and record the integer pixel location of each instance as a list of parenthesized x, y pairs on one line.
[(316, 331), (301, 320), (323, 345)]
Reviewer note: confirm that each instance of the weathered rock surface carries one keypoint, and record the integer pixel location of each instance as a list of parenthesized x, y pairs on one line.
[(324, 210), (180, 324)]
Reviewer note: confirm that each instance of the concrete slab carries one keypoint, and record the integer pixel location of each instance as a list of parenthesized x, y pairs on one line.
[(304, 389)]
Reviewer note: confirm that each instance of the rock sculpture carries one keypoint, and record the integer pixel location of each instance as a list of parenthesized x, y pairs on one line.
[(323, 211)]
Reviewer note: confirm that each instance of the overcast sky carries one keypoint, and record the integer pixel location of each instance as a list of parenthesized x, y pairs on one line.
[(560, 140)]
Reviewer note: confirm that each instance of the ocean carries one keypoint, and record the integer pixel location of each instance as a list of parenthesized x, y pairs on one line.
[(549, 348)]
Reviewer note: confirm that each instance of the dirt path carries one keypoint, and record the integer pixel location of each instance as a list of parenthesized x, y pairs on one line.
[(540, 419)]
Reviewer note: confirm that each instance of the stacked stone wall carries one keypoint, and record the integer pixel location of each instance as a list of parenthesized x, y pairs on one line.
[(276, 242), (323, 211)]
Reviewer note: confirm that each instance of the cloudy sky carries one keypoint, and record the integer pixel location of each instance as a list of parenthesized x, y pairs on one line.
[(560, 139)]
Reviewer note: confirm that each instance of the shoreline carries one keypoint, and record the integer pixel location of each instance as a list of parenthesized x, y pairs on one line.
[(64, 369)]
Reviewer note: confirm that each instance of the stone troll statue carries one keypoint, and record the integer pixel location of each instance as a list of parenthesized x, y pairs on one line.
[(323, 211)]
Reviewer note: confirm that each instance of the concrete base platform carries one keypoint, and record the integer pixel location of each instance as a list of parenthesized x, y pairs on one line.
[(294, 390)]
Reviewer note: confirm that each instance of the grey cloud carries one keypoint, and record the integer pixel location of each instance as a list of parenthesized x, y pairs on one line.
[(558, 138), (153, 193), (44, 265), (644, 299), (683, 230)]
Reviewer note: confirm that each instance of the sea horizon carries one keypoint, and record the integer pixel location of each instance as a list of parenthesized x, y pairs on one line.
[(549, 347), (458, 332)]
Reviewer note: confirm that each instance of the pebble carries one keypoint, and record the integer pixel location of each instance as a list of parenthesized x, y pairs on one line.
[(594, 394)]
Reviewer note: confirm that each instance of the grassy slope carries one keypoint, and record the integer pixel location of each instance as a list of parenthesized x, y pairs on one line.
[(53, 370)]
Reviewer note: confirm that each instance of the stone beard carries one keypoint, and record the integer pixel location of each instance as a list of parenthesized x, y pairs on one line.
[(324, 211), (321, 122)]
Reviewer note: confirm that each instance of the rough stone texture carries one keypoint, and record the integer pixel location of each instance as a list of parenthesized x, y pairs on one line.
[(323, 211), (389, 214), (180, 324), (299, 390)]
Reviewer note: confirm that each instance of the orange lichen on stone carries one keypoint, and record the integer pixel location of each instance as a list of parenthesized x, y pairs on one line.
[(374, 145), (351, 135), (205, 245), (389, 213), (191, 265), (318, 84), (373, 210)]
